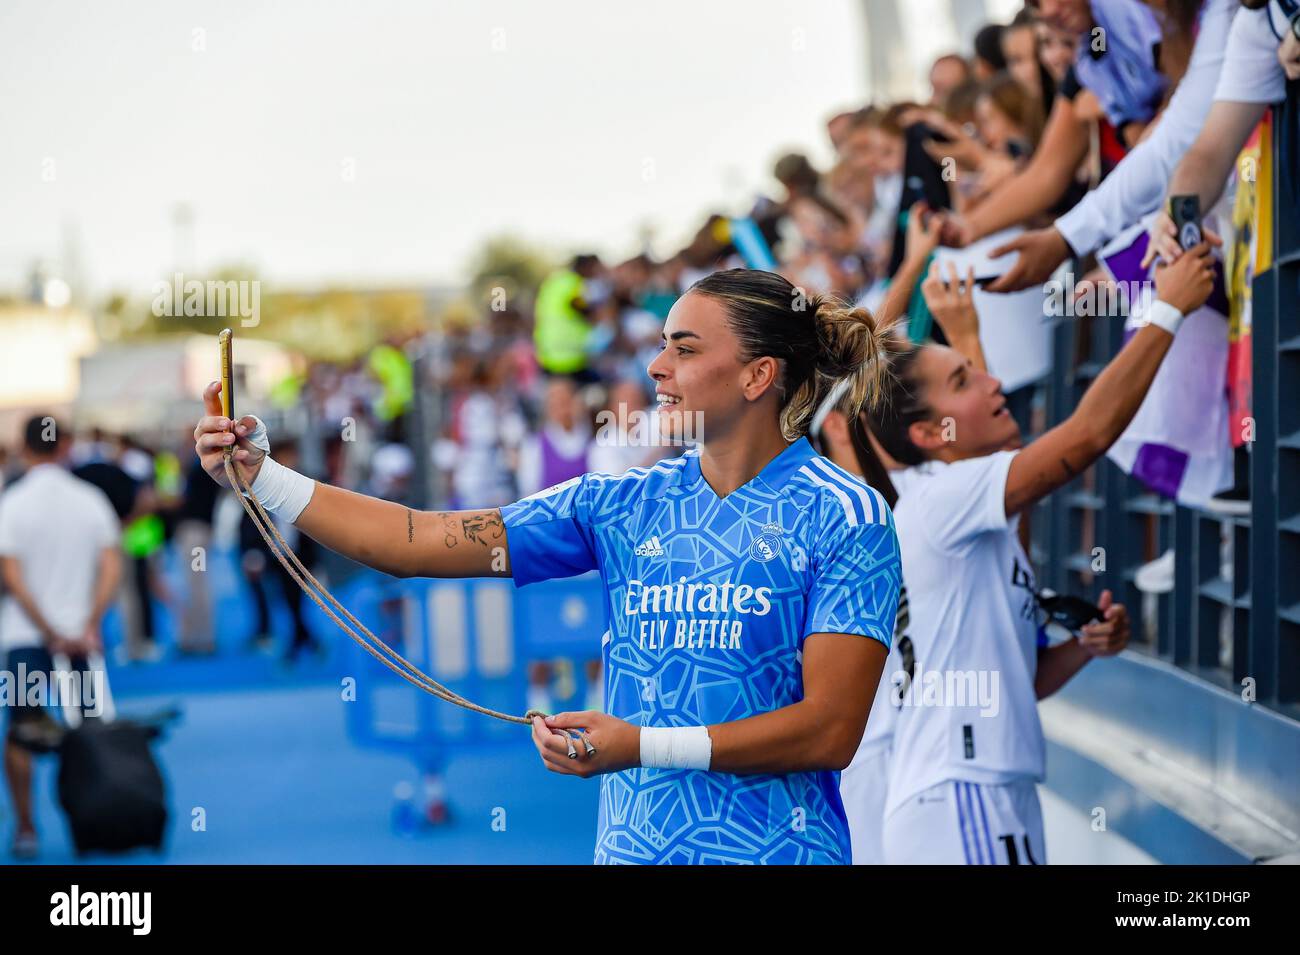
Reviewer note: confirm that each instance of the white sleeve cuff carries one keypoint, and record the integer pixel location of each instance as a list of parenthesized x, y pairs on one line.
[(1080, 230)]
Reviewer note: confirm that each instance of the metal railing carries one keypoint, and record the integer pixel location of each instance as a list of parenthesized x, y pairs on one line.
[(1233, 617)]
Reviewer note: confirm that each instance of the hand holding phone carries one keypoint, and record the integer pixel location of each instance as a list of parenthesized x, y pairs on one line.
[(1071, 612), (1185, 211)]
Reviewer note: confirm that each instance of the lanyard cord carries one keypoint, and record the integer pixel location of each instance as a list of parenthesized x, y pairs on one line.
[(377, 648)]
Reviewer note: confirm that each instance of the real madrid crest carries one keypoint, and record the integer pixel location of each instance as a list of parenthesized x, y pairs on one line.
[(767, 544)]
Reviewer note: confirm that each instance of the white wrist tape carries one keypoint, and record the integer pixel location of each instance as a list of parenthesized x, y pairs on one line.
[(258, 437), (676, 747), (281, 490), (1164, 315)]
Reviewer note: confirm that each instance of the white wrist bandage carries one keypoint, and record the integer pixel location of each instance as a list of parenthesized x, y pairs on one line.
[(281, 490), (676, 747), (1164, 315)]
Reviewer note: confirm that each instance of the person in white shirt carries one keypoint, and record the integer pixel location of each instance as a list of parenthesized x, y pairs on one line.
[(863, 783), (1251, 79), (968, 748), (486, 430), (60, 562), (851, 446)]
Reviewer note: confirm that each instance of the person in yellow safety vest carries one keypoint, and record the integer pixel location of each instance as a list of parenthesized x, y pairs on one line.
[(167, 475), (144, 534), (287, 392), (565, 301), (397, 377)]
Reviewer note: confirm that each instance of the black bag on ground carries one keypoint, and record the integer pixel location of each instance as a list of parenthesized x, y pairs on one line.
[(110, 787), (109, 784)]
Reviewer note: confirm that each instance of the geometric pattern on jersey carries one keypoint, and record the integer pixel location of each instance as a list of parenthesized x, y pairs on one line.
[(710, 600)]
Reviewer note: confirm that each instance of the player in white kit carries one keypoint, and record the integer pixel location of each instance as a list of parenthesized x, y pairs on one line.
[(968, 748), (863, 783), (849, 443)]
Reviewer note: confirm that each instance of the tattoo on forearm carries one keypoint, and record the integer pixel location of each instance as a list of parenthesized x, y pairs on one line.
[(1069, 471), (448, 529), (410, 527), (483, 528)]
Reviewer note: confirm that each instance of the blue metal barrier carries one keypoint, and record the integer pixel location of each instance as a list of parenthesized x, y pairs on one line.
[(1275, 486), (476, 637)]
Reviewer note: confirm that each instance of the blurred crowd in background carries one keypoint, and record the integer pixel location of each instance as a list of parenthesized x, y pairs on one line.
[(539, 386)]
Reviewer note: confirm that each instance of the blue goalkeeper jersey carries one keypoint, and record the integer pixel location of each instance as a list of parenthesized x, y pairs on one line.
[(710, 600)]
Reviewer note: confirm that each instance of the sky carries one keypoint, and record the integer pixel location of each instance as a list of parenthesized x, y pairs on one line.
[(380, 142)]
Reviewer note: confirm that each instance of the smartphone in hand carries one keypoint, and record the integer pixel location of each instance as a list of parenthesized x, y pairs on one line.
[(1186, 213)]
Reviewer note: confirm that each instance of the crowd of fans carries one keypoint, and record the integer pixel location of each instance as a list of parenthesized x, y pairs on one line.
[(1065, 127)]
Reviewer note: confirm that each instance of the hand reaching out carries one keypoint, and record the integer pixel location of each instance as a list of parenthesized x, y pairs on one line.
[(1041, 251), (923, 230), (1162, 240), (952, 302)]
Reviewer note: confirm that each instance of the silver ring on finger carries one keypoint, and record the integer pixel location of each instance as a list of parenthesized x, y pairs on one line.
[(568, 742)]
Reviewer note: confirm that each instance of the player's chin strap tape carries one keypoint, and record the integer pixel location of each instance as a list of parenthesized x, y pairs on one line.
[(313, 588)]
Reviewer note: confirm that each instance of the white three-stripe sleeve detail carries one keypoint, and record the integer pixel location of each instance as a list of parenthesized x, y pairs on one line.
[(850, 486), (849, 514)]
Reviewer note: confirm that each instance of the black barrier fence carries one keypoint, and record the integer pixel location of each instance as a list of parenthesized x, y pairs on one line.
[(1233, 616)]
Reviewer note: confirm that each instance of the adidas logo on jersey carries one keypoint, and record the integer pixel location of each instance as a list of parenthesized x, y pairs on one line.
[(651, 548)]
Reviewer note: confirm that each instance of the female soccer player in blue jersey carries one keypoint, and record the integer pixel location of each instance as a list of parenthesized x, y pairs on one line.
[(752, 584)]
